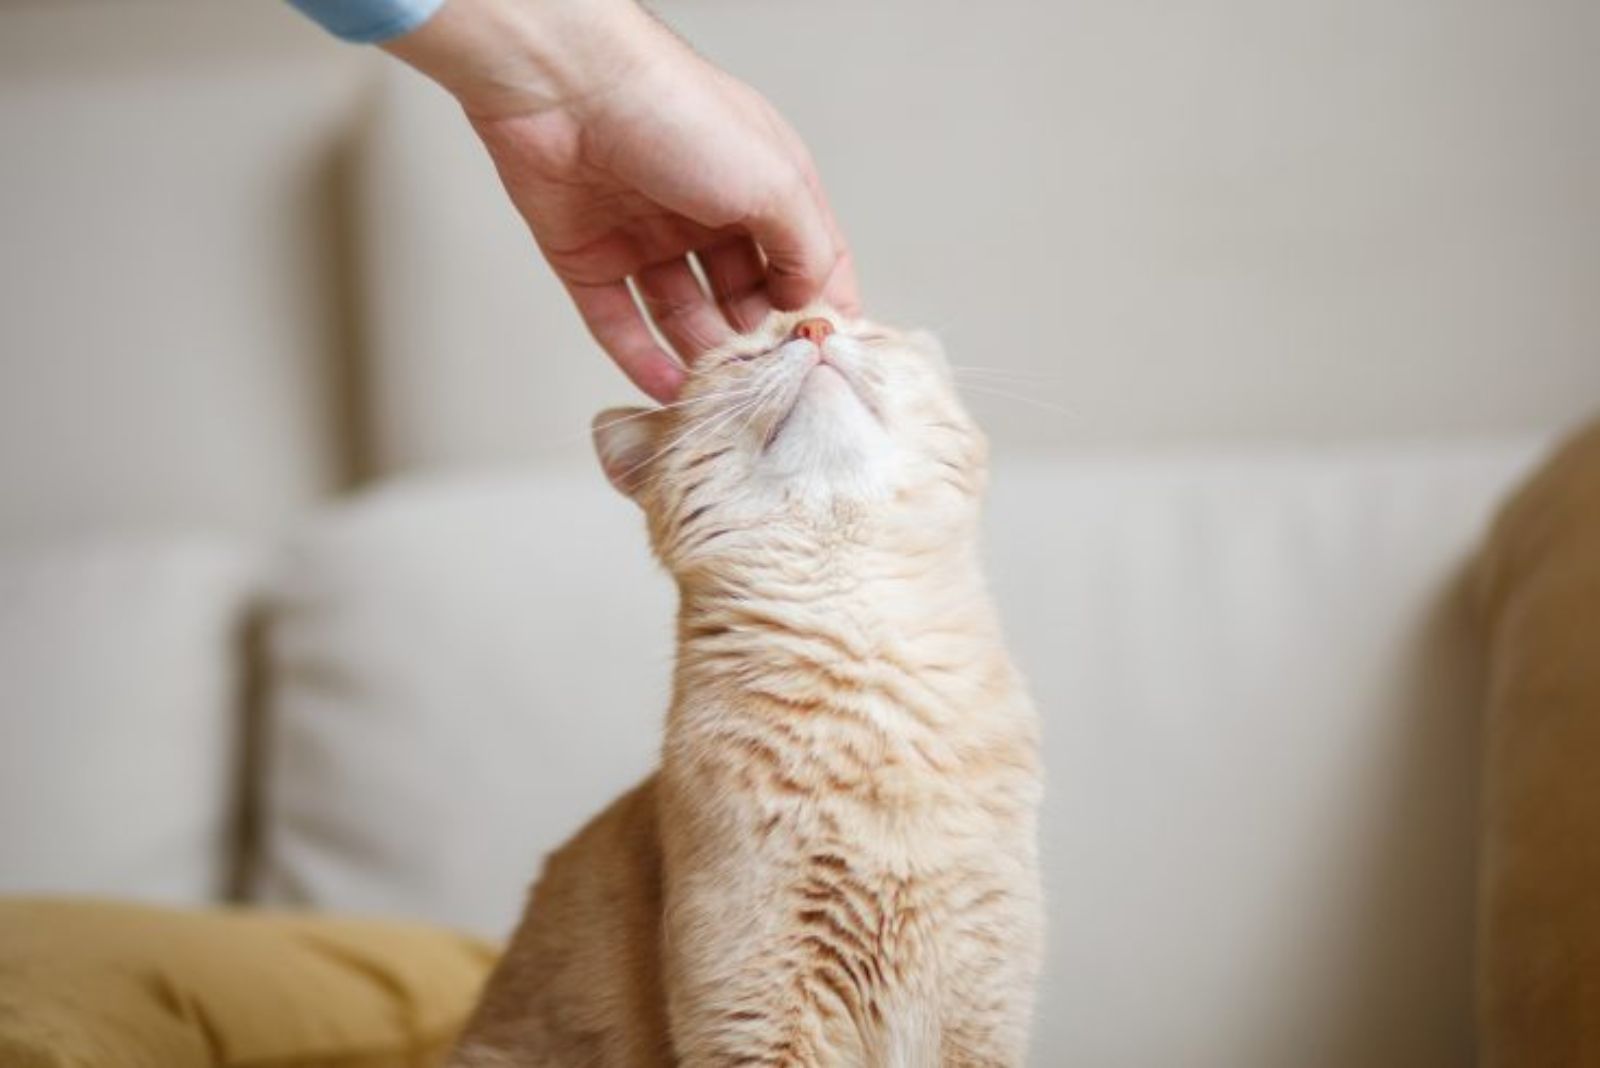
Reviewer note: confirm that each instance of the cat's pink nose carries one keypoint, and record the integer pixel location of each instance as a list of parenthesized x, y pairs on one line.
[(813, 330)]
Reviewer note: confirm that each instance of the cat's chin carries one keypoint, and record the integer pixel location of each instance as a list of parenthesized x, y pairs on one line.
[(831, 436), (825, 387)]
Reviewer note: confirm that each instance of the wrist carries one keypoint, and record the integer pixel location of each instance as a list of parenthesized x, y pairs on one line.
[(511, 57)]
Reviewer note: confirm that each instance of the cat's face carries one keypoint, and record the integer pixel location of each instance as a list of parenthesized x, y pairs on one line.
[(811, 428)]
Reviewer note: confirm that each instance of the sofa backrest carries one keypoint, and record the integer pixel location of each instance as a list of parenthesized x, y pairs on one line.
[(1257, 678)]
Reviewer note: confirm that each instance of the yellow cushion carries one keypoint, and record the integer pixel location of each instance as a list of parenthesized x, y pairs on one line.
[(91, 983), (1539, 946)]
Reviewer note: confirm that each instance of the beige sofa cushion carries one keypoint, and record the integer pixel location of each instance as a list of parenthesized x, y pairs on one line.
[(119, 714), (1540, 939), (463, 672)]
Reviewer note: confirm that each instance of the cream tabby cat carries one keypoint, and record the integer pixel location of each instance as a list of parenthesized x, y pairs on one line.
[(836, 863)]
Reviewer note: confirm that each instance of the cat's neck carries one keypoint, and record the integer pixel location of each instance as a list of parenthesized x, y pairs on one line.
[(854, 614)]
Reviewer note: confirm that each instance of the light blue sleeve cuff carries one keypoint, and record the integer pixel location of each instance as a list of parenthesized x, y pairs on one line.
[(369, 21)]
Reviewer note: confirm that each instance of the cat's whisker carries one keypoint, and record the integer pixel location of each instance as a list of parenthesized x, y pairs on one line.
[(699, 429), (682, 436), (771, 387), (1003, 373), (769, 393), (990, 390), (708, 398), (742, 390), (764, 388), (672, 444)]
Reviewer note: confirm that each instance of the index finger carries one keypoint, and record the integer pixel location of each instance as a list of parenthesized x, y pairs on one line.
[(609, 311)]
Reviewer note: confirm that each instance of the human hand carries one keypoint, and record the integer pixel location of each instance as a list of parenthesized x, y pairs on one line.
[(628, 155)]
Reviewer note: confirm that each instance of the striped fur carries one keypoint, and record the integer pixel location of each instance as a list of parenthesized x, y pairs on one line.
[(835, 864)]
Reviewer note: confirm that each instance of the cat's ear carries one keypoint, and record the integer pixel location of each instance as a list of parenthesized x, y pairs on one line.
[(626, 440)]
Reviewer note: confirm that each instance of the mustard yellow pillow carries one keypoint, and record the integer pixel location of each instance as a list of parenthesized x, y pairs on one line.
[(85, 984), (1539, 942)]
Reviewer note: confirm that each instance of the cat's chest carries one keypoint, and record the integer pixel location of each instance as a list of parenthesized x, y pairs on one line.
[(823, 771)]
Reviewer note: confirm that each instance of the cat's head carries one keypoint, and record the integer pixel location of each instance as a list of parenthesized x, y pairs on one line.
[(812, 430)]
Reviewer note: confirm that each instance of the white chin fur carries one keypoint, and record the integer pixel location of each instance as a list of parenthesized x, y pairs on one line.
[(830, 441)]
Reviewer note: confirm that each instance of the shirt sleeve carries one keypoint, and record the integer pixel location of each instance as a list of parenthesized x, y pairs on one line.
[(369, 21)]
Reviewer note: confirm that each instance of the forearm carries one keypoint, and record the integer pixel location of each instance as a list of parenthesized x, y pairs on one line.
[(511, 57), (634, 163)]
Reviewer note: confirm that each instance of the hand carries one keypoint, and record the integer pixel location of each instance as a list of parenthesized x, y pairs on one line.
[(628, 154)]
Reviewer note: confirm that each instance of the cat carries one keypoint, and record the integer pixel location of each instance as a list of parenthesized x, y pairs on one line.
[(836, 863)]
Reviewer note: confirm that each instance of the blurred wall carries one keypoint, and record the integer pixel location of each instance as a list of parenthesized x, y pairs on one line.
[(227, 290), (174, 341), (1215, 220)]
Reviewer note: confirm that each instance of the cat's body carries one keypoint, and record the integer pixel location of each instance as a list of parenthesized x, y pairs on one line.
[(836, 863)]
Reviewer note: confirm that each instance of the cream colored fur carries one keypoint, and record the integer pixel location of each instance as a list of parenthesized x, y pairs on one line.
[(836, 863)]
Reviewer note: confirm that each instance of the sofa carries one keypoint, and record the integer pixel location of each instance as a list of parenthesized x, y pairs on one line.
[(313, 601), (1259, 680)]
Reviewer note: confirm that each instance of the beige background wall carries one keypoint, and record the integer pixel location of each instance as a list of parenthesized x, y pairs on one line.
[(172, 342), (242, 266)]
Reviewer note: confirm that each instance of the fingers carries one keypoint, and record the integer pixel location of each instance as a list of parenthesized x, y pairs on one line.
[(614, 319), (841, 289), (738, 281), (744, 291), (797, 237), (681, 308)]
